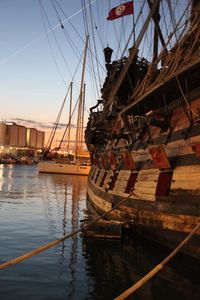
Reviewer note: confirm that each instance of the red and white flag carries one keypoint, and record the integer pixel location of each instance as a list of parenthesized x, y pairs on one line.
[(120, 11)]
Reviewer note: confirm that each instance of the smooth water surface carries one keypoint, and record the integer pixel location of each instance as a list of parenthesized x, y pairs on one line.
[(38, 208)]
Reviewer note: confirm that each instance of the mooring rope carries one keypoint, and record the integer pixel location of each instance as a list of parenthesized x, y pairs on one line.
[(159, 267), (58, 241)]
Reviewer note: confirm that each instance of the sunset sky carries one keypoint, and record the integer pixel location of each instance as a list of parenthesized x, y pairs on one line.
[(31, 87), (33, 74), (38, 58)]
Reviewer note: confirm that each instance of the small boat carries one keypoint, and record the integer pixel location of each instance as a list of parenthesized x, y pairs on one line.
[(77, 163), (79, 166)]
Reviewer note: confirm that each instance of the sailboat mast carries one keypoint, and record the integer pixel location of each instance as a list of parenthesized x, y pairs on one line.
[(83, 108), (78, 126), (70, 116)]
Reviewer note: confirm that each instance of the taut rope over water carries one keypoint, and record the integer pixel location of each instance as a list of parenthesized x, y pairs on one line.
[(56, 242), (159, 267)]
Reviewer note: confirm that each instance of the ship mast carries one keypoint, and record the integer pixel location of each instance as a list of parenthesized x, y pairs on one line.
[(157, 30), (82, 121), (70, 116), (78, 143)]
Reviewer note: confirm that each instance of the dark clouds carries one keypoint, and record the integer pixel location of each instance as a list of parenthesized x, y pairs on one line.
[(37, 125)]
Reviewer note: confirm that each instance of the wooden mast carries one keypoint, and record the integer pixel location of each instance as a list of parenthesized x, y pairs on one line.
[(70, 116), (83, 108), (79, 123), (157, 30)]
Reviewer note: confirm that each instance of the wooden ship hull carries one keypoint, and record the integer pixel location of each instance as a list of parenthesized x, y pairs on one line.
[(145, 143), (167, 220)]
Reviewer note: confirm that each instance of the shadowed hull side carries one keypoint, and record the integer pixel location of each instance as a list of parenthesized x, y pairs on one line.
[(167, 222)]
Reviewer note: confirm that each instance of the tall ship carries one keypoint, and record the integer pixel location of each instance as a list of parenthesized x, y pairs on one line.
[(143, 134)]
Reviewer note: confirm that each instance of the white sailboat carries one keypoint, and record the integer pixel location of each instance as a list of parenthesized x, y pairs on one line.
[(80, 164)]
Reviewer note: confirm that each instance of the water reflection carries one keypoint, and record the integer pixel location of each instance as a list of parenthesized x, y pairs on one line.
[(38, 208), (115, 266)]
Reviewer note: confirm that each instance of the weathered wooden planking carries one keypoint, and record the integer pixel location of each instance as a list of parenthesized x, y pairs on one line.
[(186, 184), (107, 180), (119, 190), (187, 169), (148, 172), (91, 170), (144, 190), (175, 148), (100, 177), (145, 184), (124, 174), (120, 182), (120, 186), (94, 174), (178, 151), (141, 157), (147, 177), (182, 223), (186, 176), (103, 229), (103, 205), (184, 142), (142, 196), (118, 193)]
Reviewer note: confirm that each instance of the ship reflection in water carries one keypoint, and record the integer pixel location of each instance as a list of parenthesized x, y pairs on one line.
[(36, 209)]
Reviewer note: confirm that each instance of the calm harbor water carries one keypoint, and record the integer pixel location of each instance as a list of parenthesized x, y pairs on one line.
[(38, 208)]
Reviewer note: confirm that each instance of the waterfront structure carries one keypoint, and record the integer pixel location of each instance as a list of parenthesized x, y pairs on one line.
[(16, 139)]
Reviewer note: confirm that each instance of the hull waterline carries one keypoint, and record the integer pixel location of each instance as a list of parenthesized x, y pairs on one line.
[(63, 168)]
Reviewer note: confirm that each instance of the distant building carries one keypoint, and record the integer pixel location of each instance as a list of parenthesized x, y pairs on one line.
[(14, 136)]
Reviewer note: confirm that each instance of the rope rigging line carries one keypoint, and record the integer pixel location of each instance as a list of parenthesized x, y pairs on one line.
[(61, 24), (140, 90), (55, 126), (94, 79), (52, 135), (158, 268), (122, 36), (70, 41), (173, 19), (67, 126), (94, 41), (86, 22), (132, 31), (184, 98), (84, 14), (86, 26), (97, 27), (59, 48), (51, 49), (78, 34), (58, 241)]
